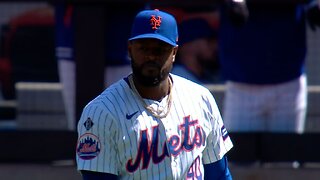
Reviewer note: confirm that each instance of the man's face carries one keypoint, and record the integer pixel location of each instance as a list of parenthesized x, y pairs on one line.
[(207, 49), (207, 53), (151, 60)]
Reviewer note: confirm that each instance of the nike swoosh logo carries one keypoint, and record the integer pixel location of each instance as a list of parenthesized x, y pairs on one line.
[(129, 116)]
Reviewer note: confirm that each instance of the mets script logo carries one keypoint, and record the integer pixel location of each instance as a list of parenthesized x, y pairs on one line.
[(88, 146), (148, 146), (155, 21)]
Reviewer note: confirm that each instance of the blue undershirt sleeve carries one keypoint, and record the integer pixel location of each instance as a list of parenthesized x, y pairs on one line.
[(90, 175), (218, 170)]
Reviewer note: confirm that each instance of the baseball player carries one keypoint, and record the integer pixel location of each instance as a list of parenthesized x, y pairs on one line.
[(264, 67), (153, 124)]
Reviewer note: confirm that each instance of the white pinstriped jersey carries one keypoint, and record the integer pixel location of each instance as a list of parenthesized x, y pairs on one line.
[(118, 135)]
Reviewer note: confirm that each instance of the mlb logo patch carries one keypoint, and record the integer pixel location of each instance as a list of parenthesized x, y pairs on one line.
[(88, 146), (88, 124)]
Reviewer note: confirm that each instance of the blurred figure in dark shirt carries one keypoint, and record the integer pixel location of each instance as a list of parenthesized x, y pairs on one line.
[(197, 59), (263, 62)]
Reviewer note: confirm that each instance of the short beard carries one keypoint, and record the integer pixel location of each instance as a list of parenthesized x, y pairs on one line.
[(149, 81)]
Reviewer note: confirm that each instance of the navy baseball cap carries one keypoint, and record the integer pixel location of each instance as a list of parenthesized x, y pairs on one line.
[(155, 24)]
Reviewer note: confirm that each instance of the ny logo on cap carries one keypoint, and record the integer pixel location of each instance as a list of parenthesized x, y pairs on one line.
[(155, 21)]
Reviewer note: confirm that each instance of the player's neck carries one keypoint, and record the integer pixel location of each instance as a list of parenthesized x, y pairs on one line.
[(156, 92)]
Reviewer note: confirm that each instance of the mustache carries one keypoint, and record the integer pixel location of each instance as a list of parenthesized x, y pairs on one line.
[(151, 64)]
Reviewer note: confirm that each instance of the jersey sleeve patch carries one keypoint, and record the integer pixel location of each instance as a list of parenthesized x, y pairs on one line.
[(224, 133), (88, 146), (88, 124)]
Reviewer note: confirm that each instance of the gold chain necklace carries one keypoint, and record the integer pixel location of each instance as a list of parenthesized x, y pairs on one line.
[(156, 113)]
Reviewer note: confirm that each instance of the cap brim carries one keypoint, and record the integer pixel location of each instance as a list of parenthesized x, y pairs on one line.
[(154, 36)]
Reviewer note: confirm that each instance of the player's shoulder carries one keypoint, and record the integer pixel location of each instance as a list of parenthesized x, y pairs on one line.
[(110, 96)]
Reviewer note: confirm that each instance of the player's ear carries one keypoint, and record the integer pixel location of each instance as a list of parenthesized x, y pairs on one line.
[(175, 51)]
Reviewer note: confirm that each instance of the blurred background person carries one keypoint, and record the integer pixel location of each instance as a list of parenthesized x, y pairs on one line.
[(116, 61), (262, 52), (117, 64), (64, 34), (197, 59)]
